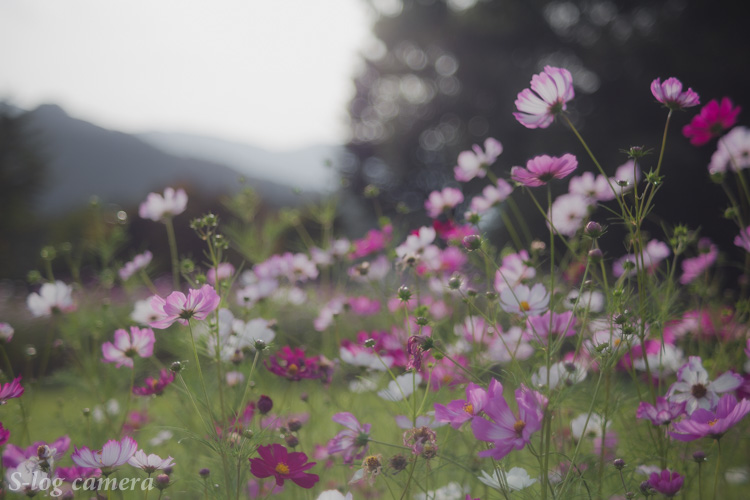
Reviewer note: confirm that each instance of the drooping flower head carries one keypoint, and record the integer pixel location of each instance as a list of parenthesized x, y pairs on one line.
[(670, 94), (113, 454), (666, 482), (275, 461), (139, 262), (421, 440), (713, 119), (550, 91), (12, 389), (52, 298), (542, 169), (177, 307), (139, 342), (353, 442), (158, 207), (474, 162), (154, 385)]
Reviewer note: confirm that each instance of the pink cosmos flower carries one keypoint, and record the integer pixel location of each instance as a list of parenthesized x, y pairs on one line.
[(140, 342), (113, 454), (712, 424), (542, 169), (440, 201), (491, 196), (671, 95), (150, 463), (713, 119), (224, 271), (4, 434), (692, 268), (562, 325), (567, 213), (374, 241), (524, 300), (11, 390), (694, 387), (52, 298), (742, 240), (515, 268), (666, 482), (275, 461), (655, 252), (156, 386), (293, 365), (462, 410), (177, 307), (353, 442), (732, 152), (593, 188), (474, 163), (71, 474), (6, 332), (158, 207), (14, 455), (505, 430), (663, 413), (139, 262), (550, 91)]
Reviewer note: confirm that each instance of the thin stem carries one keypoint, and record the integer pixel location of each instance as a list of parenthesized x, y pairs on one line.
[(173, 252), (716, 472)]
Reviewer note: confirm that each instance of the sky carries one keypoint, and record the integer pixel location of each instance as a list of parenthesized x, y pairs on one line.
[(272, 73)]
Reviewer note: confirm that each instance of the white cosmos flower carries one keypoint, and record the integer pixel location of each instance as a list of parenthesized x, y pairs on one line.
[(516, 479), (694, 386), (402, 387), (150, 463)]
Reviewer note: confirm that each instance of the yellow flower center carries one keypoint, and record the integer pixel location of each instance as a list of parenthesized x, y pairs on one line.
[(712, 422), (524, 306), (292, 369), (469, 408), (617, 342), (518, 426), (282, 468)]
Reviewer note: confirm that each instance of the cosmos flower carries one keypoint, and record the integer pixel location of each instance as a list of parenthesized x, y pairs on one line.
[(694, 267), (4, 434), (139, 262), (155, 386), (663, 413), (742, 240), (12, 389), (402, 387), (710, 423), (516, 479), (52, 298), (713, 119), (177, 307), (666, 482), (6, 332), (474, 162), (294, 365), (150, 463), (158, 207), (732, 152), (694, 387), (275, 461), (139, 342), (670, 94), (542, 169), (353, 442), (548, 96), (491, 196), (113, 454), (223, 271), (524, 300), (440, 201), (515, 268), (13, 455), (593, 188), (567, 213), (462, 410)]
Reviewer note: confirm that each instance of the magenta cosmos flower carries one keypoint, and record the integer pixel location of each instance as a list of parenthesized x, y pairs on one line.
[(113, 454), (352, 443), (294, 365), (155, 386), (275, 461), (158, 207), (550, 91), (177, 307), (542, 169), (663, 413), (705, 423), (139, 342), (713, 119), (4, 434), (671, 95), (12, 389), (461, 410), (505, 430), (666, 482)]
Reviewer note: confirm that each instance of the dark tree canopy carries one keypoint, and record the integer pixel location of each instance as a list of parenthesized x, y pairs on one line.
[(450, 70)]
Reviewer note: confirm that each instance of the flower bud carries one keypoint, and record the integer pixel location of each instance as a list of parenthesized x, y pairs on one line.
[(595, 255), (404, 294), (370, 343), (619, 463), (176, 367), (454, 283), (162, 481), (594, 230), (264, 404), (291, 440), (294, 424), (699, 456), (472, 242), (204, 472)]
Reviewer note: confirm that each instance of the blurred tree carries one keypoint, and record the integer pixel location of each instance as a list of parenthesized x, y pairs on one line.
[(21, 176), (447, 72)]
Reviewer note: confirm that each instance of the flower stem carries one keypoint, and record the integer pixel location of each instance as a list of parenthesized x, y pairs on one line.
[(173, 252), (716, 471)]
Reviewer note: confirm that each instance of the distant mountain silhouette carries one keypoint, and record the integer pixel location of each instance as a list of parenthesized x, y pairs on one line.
[(84, 160), (308, 168)]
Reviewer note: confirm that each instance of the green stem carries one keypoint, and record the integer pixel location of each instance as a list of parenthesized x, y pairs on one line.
[(173, 252), (716, 472)]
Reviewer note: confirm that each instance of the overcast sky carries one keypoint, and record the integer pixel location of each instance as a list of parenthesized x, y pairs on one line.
[(274, 73)]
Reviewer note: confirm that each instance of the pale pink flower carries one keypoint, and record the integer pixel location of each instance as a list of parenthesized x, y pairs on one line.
[(474, 162), (568, 212), (440, 201), (113, 454), (6, 332), (692, 268), (139, 262), (742, 240), (158, 207), (491, 196), (594, 188), (177, 307), (655, 252), (670, 94), (514, 269), (524, 300), (732, 152), (549, 93), (224, 271), (542, 169), (150, 463), (52, 298), (416, 242), (139, 342), (626, 176)]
